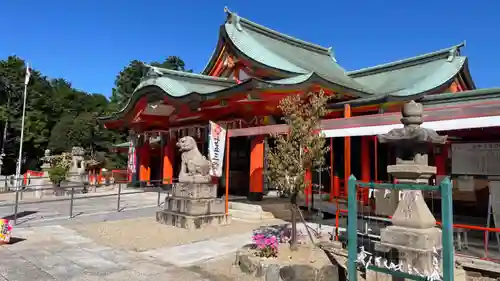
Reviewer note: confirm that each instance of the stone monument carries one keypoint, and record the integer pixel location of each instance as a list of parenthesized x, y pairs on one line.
[(44, 182), (76, 173), (193, 203), (412, 233)]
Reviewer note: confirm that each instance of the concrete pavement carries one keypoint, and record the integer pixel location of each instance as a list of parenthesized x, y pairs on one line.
[(58, 253), (45, 212)]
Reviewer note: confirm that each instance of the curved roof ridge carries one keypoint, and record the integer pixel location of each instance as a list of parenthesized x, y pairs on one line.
[(454, 51), (275, 34), (159, 71)]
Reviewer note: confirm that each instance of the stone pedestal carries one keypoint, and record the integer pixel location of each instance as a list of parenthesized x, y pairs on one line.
[(416, 246), (386, 204), (192, 206)]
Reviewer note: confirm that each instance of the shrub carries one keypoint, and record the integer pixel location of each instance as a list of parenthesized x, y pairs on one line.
[(267, 246), (57, 174)]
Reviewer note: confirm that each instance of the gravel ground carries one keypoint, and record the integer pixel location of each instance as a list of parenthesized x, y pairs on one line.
[(222, 269), (143, 234)]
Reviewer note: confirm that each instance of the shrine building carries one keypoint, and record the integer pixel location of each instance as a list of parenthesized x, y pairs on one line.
[(253, 67)]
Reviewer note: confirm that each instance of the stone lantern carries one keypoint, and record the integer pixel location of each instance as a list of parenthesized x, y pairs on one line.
[(413, 232)]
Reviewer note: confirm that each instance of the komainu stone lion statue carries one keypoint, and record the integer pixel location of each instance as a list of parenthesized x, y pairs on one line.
[(195, 167)]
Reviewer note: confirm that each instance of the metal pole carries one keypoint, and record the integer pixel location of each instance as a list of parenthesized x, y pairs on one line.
[(20, 157), (352, 229), (119, 193), (16, 206), (447, 227), (71, 202)]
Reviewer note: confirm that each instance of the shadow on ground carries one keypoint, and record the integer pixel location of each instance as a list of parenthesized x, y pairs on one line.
[(20, 215)]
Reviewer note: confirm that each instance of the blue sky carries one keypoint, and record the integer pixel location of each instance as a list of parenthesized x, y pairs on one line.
[(89, 41)]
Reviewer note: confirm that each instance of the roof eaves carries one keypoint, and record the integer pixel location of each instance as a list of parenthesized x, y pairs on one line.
[(473, 95), (142, 90), (443, 53), (359, 102), (215, 54), (467, 77)]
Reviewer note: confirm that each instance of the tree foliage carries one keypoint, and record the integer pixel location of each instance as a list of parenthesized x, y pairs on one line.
[(129, 78), (59, 116), (302, 148)]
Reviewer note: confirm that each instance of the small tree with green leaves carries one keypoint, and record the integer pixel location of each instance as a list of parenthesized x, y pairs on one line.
[(60, 167), (300, 149)]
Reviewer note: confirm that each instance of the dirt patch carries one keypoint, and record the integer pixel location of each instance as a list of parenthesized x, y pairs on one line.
[(143, 234), (306, 254)]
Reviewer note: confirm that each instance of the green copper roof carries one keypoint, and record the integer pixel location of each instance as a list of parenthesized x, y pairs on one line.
[(414, 75), (285, 54), (300, 64), (183, 86), (178, 84)]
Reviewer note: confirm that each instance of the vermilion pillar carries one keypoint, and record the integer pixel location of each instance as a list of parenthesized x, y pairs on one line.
[(441, 160), (256, 168), (365, 164), (168, 162), (347, 151), (144, 172)]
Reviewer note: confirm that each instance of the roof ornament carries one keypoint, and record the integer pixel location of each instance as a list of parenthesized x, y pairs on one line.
[(453, 54), (233, 18), (332, 54), (152, 71)]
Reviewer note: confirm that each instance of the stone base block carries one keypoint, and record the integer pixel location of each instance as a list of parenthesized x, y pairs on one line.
[(191, 222), (195, 207), (194, 190), (410, 239)]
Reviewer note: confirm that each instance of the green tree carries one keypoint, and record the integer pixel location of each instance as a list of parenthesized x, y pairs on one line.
[(57, 116), (302, 148), (129, 78)]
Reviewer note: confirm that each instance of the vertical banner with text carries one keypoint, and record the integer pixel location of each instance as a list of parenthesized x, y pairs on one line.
[(216, 146), (131, 162)]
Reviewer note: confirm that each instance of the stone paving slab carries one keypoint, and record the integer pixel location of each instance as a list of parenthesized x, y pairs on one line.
[(57, 253), (193, 253)]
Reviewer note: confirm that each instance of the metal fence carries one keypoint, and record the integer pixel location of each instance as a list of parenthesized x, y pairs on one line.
[(71, 190)]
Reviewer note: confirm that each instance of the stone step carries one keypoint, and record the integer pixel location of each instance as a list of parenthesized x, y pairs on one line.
[(253, 216), (248, 211)]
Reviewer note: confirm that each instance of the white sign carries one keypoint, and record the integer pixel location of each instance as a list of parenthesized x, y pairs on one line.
[(131, 159), (365, 259), (216, 146), (475, 159)]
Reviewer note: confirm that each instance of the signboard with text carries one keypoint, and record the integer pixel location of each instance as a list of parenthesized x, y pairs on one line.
[(216, 147)]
